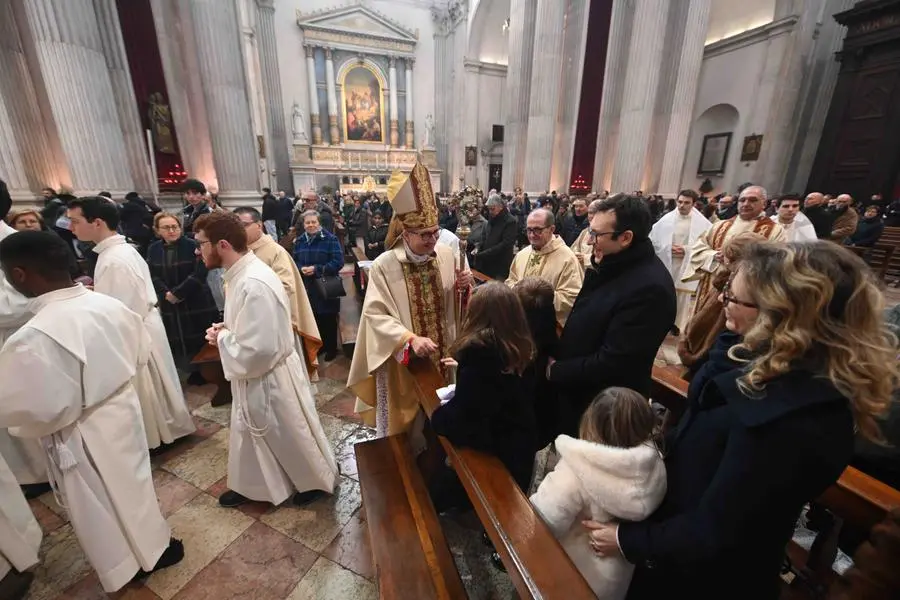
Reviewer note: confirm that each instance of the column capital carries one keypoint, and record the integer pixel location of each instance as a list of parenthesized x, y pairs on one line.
[(266, 4), (310, 50), (328, 52), (410, 63), (392, 61)]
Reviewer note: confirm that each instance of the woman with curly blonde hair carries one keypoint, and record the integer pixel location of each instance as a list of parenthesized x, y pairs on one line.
[(806, 360)]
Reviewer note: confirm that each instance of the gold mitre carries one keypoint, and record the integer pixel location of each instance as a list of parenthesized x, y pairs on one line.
[(412, 200)]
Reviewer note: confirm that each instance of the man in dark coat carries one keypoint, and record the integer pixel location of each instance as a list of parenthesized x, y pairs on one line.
[(575, 222), (195, 195), (496, 253), (620, 318), (136, 219)]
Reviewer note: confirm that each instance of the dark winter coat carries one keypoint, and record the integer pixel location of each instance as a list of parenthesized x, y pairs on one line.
[(496, 252), (572, 226), (136, 218), (190, 214), (375, 235), (867, 233), (322, 251), (739, 471), (621, 316), (821, 218), (185, 276)]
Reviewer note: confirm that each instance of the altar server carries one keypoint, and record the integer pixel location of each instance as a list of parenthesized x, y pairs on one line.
[(20, 537), (276, 444), (124, 275), (67, 380)]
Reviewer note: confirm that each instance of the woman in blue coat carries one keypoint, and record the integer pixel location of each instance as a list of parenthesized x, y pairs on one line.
[(317, 253)]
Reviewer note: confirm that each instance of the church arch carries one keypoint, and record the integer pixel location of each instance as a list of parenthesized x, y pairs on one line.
[(720, 118)]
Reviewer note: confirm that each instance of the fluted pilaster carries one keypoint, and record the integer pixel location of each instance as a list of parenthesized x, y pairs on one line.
[(543, 101), (70, 54), (332, 99), (410, 135), (645, 57), (12, 169), (392, 82), (314, 111), (215, 28), (611, 99), (518, 88), (271, 80), (687, 78)]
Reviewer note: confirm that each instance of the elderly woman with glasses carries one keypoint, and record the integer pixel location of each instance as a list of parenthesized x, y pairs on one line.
[(805, 362), (318, 254), (179, 278)]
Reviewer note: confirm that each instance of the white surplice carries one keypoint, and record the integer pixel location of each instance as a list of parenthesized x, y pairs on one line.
[(124, 275), (25, 458), (801, 230), (20, 534), (276, 442), (67, 380), (675, 228)]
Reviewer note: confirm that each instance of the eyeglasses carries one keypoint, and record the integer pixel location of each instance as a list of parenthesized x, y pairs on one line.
[(201, 242), (427, 235), (727, 298), (535, 230), (596, 235), (170, 227)]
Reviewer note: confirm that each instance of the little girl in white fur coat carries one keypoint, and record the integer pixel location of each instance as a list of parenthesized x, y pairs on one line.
[(614, 472)]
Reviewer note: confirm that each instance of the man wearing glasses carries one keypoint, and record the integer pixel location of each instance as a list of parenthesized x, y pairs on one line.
[(621, 316), (549, 258), (410, 310), (706, 254)]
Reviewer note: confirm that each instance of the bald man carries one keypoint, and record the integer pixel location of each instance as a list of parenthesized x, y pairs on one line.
[(706, 255), (845, 219), (816, 210)]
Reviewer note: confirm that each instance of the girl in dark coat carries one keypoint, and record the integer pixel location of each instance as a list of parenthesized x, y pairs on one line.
[(492, 409), (769, 426), (179, 278)]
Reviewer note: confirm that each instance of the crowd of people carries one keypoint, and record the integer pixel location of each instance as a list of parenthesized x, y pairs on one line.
[(779, 328)]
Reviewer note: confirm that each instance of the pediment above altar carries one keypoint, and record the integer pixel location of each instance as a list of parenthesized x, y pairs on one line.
[(357, 27)]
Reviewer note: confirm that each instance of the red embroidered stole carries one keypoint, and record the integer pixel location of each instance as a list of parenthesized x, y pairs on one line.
[(426, 304)]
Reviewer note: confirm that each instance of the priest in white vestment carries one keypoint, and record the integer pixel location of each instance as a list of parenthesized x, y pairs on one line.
[(549, 258), (411, 305), (276, 443), (25, 458), (673, 237), (20, 535), (303, 321), (124, 275), (67, 380), (706, 253), (797, 226), (582, 246)]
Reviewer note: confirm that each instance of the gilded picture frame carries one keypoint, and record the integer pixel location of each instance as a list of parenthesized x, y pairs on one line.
[(363, 121)]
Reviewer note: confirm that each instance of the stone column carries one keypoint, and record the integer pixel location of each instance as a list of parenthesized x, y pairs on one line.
[(335, 137), (314, 115), (268, 56), (611, 99), (545, 89), (216, 30), (687, 78), (79, 93), (392, 82), (645, 57), (410, 127), (12, 168), (518, 88)]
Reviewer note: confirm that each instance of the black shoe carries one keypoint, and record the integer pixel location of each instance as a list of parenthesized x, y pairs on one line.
[(170, 556), (497, 562), (33, 490), (302, 498), (15, 585), (232, 499), (195, 378)]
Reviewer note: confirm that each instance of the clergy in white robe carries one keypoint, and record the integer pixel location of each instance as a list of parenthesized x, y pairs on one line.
[(67, 380), (20, 534), (124, 275), (797, 226), (673, 237), (276, 441), (410, 308), (25, 458)]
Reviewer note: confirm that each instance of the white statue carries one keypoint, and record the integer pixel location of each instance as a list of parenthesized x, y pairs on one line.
[(428, 142), (297, 125)]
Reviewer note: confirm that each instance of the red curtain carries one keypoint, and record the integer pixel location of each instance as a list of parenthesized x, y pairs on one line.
[(145, 65)]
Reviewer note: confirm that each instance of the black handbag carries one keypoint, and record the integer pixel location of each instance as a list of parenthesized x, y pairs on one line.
[(330, 287)]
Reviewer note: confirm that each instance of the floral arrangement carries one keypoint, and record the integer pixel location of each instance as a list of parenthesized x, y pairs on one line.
[(468, 199)]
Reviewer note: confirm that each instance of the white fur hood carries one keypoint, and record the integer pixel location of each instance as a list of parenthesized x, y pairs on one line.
[(627, 483)]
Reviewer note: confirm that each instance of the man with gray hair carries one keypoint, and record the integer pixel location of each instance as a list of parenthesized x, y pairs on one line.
[(496, 253), (549, 258), (706, 254)]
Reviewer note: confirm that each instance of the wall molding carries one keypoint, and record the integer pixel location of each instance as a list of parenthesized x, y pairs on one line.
[(484, 68), (751, 37)]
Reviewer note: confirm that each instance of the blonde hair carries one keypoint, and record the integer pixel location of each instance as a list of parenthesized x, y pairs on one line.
[(820, 307), (15, 214), (164, 215), (619, 417)]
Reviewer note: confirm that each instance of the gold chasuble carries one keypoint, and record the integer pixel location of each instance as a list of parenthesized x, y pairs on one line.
[(407, 295)]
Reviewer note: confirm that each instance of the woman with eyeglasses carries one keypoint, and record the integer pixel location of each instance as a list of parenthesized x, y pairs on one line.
[(770, 425), (185, 300), (318, 254)]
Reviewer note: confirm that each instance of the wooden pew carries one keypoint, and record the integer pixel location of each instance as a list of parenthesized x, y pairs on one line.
[(878, 257), (539, 567), (479, 277), (855, 499), (359, 276), (409, 549), (211, 369)]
